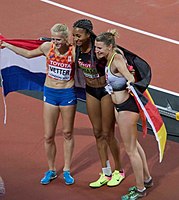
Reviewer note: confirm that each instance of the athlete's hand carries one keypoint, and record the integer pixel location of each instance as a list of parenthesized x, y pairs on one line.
[(2, 44), (128, 86)]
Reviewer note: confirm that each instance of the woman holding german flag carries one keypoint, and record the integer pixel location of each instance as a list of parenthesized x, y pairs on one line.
[(126, 111)]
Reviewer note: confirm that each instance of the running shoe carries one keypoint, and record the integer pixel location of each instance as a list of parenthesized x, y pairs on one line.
[(103, 180), (69, 180), (146, 185), (49, 176), (116, 179), (149, 184), (134, 194), (2, 187)]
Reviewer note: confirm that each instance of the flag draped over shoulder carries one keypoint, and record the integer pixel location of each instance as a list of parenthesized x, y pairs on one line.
[(19, 73), (143, 73)]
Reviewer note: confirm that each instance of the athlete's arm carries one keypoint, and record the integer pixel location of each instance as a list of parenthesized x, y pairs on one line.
[(122, 68), (41, 50), (73, 53)]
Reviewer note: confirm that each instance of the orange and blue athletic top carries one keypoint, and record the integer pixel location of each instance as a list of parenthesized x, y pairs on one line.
[(60, 68)]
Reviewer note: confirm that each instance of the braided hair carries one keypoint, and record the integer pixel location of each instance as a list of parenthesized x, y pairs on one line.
[(88, 26)]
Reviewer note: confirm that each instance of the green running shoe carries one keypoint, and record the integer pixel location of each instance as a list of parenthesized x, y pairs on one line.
[(134, 194), (147, 185)]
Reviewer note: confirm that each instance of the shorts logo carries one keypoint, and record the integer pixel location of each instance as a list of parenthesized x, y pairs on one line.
[(70, 101), (69, 59), (44, 98)]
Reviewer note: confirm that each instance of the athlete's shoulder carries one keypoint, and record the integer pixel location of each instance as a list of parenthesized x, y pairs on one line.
[(45, 47), (73, 49), (118, 57)]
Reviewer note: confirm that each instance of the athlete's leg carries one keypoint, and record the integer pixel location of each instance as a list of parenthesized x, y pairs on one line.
[(127, 122), (68, 115), (144, 160), (50, 115), (94, 113), (108, 127)]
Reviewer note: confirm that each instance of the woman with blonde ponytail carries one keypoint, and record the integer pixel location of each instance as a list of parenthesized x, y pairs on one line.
[(118, 78)]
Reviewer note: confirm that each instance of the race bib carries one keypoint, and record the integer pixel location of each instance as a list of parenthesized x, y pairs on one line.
[(59, 73)]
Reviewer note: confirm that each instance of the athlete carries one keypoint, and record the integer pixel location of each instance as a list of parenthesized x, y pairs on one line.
[(99, 105), (2, 187), (126, 111), (59, 96)]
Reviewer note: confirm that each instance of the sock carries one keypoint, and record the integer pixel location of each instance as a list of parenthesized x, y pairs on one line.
[(108, 163), (107, 171), (148, 180), (141, 190)]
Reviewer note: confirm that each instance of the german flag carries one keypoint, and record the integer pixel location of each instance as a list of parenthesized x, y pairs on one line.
[(149, 111), (147, 108), (142, 69)]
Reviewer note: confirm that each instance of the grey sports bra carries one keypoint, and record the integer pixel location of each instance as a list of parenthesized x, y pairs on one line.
[(118, 83)]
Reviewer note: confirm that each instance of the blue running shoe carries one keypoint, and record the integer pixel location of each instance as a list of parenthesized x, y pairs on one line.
[(49, 176), (69, 180)]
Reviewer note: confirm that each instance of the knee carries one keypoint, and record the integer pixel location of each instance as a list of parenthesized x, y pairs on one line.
[(131, 152), (101, 135), (49, 139), (107, 136), (67, 135), (97, 133)]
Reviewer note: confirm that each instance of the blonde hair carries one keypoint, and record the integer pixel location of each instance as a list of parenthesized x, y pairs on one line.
[(60, 28), (108, 37), (113, 32)]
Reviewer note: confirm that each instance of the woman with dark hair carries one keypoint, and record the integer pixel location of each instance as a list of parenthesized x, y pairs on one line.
[(126, 110), (99, 105)]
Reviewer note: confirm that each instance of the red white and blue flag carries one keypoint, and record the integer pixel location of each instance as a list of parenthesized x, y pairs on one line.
[(19, 73)]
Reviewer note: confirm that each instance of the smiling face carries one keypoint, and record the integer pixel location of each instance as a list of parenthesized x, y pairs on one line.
[(80, 36), (59, 39), (101, 50)]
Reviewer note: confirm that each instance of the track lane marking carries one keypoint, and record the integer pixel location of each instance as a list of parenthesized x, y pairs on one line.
[(111, 22)]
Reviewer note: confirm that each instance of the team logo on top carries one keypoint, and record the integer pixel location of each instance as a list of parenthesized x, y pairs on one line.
[(69, 59)]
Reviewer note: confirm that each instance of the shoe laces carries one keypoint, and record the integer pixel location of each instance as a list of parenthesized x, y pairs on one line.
[(49, 173), (116, 172), (102, 176)]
